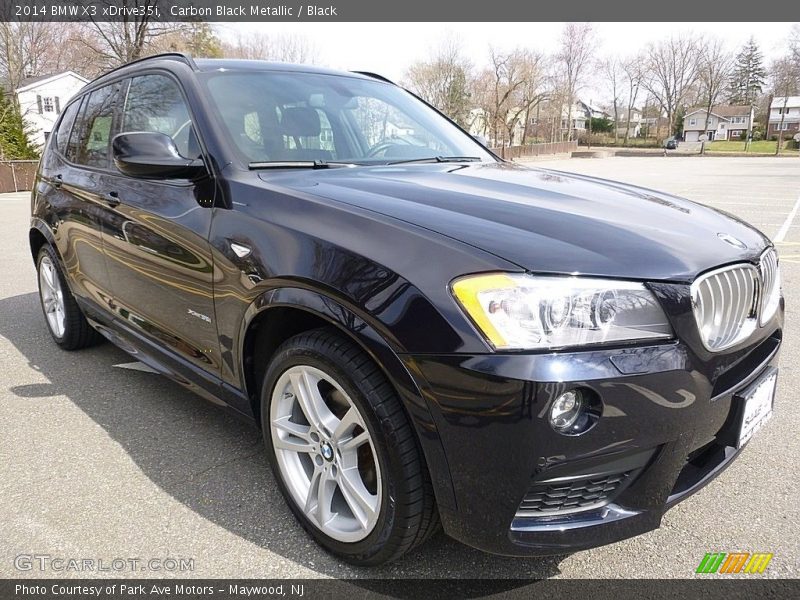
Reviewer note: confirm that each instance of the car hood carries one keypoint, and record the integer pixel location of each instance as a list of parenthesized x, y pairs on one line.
[(542, 220)]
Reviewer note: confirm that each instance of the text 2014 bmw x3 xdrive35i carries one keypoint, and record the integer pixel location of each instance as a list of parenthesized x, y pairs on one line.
[(541, 362)]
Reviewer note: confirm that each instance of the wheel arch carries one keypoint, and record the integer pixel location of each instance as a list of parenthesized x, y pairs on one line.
[(281, 313), (38, 236)]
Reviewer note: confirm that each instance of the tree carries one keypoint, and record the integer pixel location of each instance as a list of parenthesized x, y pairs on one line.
[(508, 90), (614, 73), (602, 125), (197, 39), (672, 67), (529, 68), (14, 142), (748, 76), (713, 74), (785, 83), (444, 81), (632, 67), (277, 47), (136, 36), (574, 57)]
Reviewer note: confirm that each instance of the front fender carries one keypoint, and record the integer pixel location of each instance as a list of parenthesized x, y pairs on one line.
[(384, 351)]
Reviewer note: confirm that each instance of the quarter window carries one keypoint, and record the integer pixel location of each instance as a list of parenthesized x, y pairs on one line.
[(65, 127), (155, 103)]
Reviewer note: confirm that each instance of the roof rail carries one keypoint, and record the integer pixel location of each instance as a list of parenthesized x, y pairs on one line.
[(374, 76), (181, 56)]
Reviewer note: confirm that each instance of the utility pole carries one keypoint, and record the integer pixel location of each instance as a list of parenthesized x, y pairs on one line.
[(590, 124)]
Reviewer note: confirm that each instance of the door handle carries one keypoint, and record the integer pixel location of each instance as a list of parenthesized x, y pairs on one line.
[(57, 181), (112, 199)]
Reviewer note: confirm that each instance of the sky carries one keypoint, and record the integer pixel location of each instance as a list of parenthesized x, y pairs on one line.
[(389, 48)]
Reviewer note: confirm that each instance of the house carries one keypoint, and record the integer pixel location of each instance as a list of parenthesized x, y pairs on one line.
[(725, 122), (581, 113), (42, 98), (789, 109), (635, 127)]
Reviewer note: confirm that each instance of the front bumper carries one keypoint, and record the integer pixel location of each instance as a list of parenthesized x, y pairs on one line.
[(669, 425)]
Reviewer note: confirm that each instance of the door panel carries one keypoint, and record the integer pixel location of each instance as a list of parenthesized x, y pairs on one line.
[(78, 203), (156, 239)]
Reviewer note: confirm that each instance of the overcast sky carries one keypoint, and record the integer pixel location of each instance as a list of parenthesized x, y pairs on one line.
[(388, 48)]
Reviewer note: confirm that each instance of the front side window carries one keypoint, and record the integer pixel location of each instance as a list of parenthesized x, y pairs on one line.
[(155, 103), (96, 127), (274, 116)]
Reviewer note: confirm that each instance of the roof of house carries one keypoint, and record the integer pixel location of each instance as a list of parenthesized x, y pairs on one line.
[(32, 82), (725, 111), (777, 101)]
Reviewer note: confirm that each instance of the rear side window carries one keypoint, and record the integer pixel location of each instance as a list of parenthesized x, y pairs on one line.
[(65, 127), (97, 127), (155, 103)]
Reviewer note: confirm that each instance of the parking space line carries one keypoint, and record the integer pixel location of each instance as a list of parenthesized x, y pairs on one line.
[(787, 223)]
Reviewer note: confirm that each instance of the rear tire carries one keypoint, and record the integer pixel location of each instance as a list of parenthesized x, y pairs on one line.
[(64, 319), (384, 506)]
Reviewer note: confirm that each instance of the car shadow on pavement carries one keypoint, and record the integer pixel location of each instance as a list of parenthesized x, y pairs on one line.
[(214, 463)]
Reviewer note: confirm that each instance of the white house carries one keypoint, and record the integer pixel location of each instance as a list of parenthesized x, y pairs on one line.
[(635, 128), (725, 122), (581, 112), (789, 109), (42, 98)]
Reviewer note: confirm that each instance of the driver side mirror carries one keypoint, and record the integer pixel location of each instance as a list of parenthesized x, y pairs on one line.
[(152, 155)]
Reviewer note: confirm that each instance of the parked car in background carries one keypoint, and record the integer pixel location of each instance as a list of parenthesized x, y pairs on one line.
[(671, 144), (428, 336)]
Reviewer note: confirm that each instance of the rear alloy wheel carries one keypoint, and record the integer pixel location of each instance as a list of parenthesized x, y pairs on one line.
[(63, 316), (52, 297), (328, 413)]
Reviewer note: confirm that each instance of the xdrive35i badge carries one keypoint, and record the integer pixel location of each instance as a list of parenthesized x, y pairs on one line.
[(733, 241)]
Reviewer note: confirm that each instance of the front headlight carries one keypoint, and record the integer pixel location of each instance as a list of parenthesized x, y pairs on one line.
[(519, 312)]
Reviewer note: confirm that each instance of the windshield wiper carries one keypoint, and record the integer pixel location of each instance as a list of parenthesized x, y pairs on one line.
[(298, 164), (436, 159)]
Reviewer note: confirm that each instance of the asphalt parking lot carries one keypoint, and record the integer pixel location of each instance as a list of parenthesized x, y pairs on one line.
[(103, 462)]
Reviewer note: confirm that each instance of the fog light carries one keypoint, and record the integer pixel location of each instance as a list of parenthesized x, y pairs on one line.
[(566, 410)]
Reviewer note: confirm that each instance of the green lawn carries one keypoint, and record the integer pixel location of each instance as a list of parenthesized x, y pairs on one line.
[(762, 147)]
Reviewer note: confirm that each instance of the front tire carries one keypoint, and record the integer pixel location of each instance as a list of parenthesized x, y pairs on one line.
[(343, 451), (65, 321)]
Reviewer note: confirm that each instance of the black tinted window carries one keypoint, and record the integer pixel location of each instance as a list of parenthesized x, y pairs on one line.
[(155, 103), (65, 127), (97, 127)]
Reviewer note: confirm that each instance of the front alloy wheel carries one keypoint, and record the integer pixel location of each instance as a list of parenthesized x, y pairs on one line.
[(325, 453), (328, 414)]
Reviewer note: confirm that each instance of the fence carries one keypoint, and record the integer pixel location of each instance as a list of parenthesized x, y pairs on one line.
[(532, 150), (17, 175)]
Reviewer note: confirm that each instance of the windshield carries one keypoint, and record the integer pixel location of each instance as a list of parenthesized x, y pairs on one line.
[(280, 117)]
